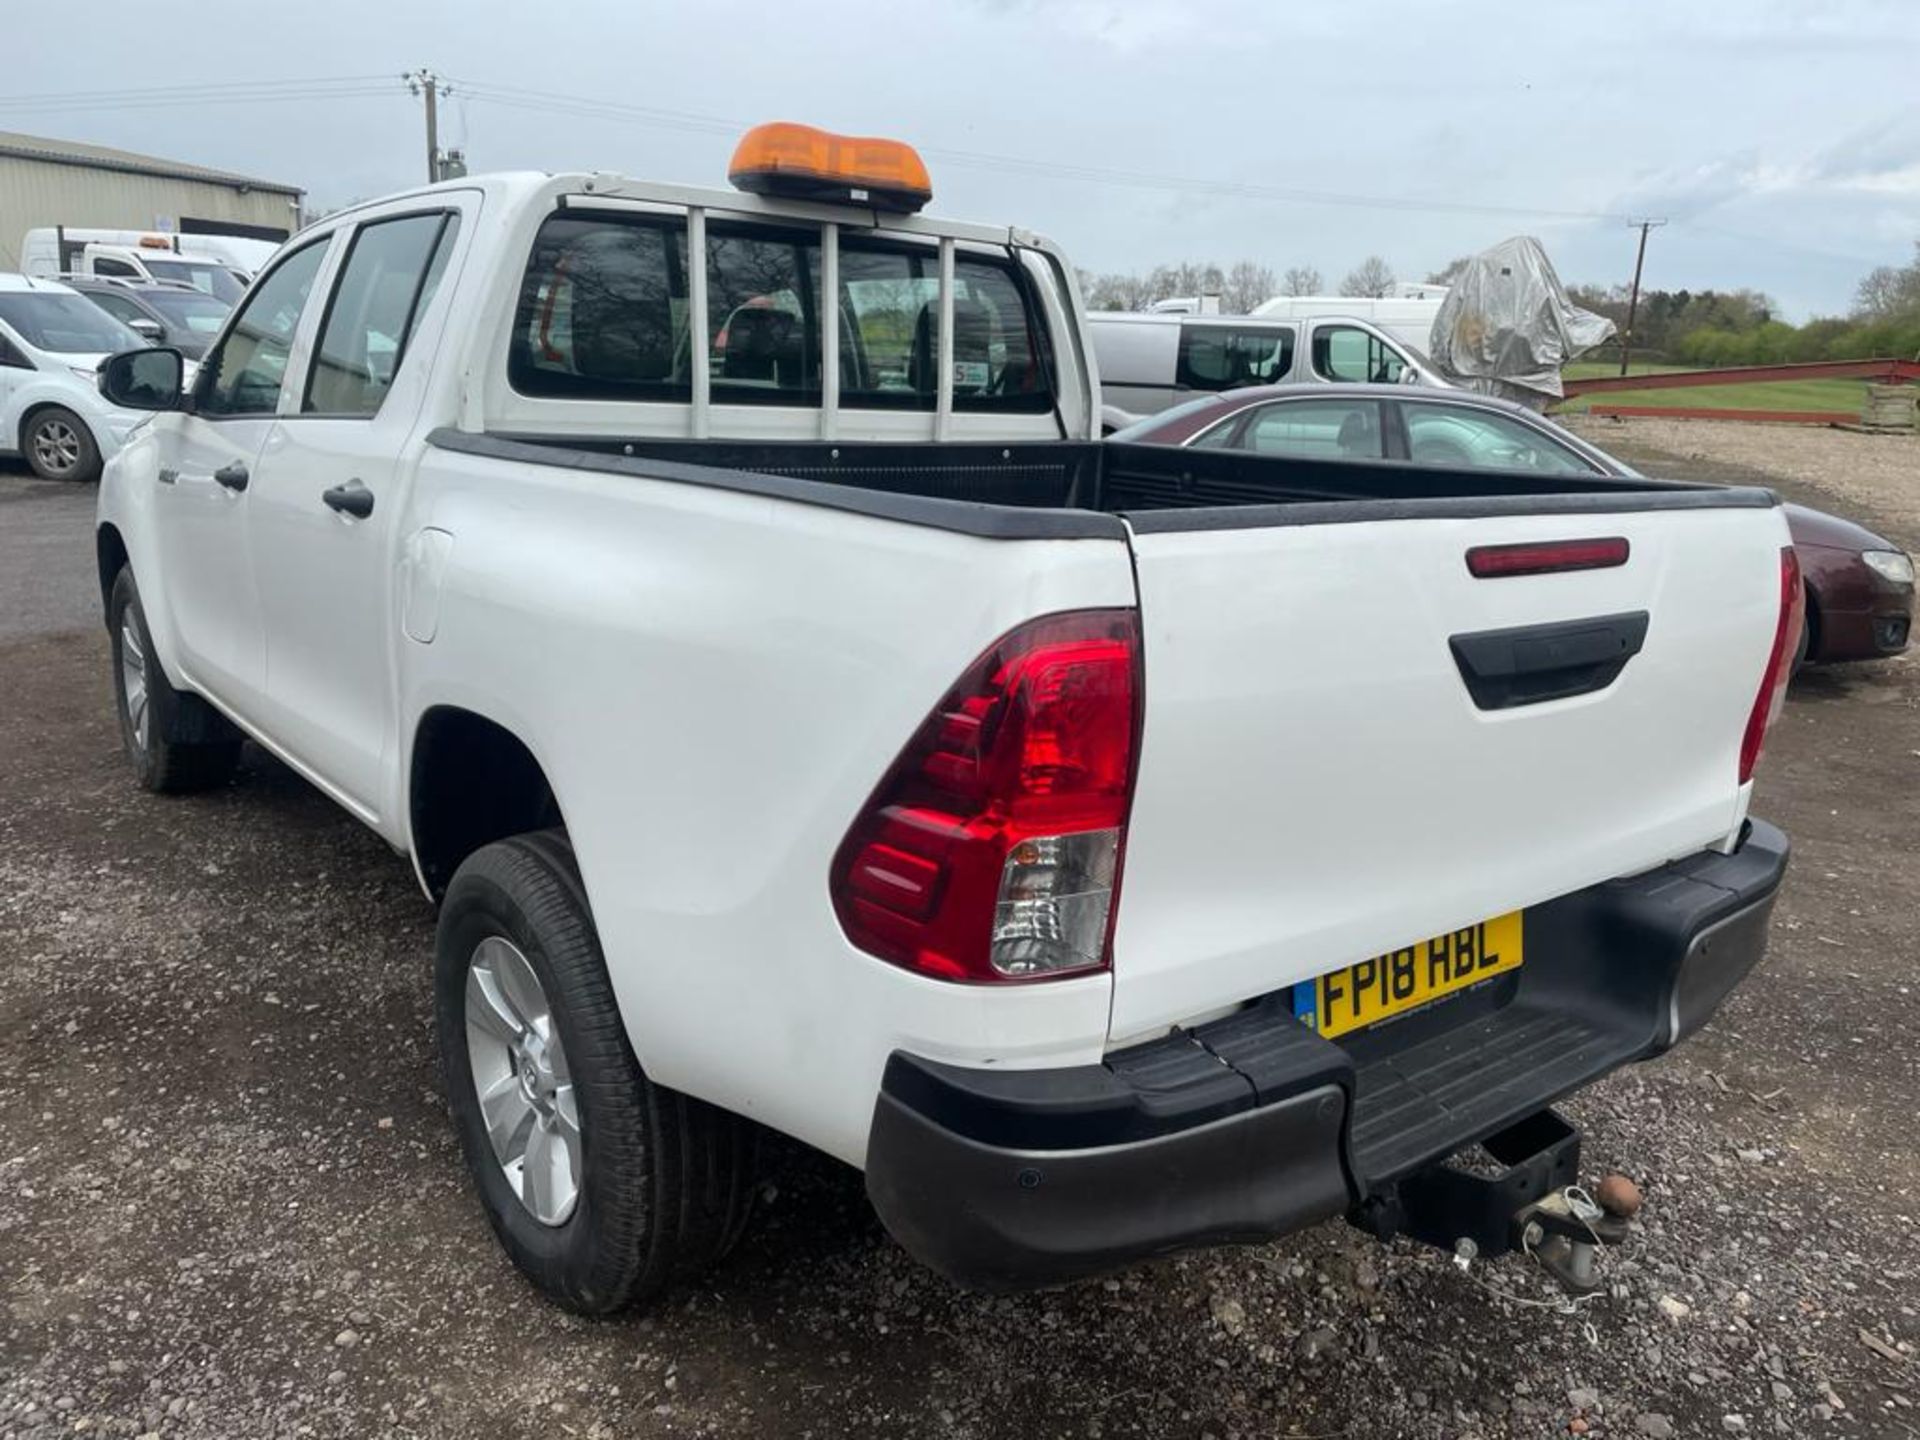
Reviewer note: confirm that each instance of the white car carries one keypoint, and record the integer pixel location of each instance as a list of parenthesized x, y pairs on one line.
[(52, 340), (1107, 848)]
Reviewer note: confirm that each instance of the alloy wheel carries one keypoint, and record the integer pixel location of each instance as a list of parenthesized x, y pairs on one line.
[(133, 677), (521, 1076), (56, 446)]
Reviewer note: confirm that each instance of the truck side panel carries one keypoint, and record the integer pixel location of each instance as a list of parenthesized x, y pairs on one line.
[(713, 683)]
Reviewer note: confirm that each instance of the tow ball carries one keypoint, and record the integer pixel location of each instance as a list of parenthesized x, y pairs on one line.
[(1562, 1232), (1531, 1201)]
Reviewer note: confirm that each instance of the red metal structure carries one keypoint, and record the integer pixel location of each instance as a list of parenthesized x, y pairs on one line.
[(1888, 371)]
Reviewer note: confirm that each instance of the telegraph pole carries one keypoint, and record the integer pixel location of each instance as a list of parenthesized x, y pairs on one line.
[(1633, 298), (425, 83)]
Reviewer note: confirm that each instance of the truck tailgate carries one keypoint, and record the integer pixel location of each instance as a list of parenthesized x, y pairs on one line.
[(1317, 784)]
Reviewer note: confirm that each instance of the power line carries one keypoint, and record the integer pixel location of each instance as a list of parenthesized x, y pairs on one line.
[(540, 102)]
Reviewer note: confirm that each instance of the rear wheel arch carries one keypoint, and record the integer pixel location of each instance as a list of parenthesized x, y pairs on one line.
[(471, 781)]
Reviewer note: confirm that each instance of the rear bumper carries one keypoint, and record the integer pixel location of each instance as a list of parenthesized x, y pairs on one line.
[(1251, 1127)]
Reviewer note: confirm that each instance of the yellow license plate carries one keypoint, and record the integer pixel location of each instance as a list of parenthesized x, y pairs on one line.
[(1370, 991)]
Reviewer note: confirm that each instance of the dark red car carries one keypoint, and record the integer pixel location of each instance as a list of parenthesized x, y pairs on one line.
[(1859, 585)]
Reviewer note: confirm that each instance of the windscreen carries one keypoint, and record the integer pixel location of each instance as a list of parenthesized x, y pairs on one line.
[(63, 323), (202, 314), (203, 275)]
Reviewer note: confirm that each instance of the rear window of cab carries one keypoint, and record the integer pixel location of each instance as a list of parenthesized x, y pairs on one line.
[(603, 314)]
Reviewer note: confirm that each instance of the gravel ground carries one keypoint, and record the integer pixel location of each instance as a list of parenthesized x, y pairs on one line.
[(231, 1204), (1856, 474)]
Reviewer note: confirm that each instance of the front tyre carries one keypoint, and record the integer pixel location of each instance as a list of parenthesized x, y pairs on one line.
[(176, 741), (602, 1186), (59, 446)]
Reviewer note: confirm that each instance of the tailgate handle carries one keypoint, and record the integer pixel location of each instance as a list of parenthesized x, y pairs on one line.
[(1531, 663)]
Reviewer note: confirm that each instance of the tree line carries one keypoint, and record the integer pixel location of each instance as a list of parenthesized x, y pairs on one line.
[(1741, 327), (1241, 286)]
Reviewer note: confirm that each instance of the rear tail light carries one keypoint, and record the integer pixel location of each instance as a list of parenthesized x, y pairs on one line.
[(1773, 682), (991, 849)]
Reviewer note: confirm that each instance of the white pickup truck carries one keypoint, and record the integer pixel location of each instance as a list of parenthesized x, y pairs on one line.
[(802, 719)]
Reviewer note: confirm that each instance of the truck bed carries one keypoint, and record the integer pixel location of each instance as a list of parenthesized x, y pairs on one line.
[(1070, 488)]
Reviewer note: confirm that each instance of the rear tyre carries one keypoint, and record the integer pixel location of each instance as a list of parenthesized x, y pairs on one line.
[(176, 741), (59, 446), (602, 1186)]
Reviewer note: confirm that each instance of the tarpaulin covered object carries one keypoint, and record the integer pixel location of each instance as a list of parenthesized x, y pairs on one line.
[(1506, 325)]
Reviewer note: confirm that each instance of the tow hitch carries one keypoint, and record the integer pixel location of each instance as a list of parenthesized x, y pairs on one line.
[(1533, 1202)]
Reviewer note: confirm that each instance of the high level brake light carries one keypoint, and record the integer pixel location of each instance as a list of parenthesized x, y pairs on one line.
[(1546, 557), (1772, 698), (991, 849)]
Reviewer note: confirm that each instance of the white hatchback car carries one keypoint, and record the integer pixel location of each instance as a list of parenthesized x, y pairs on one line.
[(51, 413)]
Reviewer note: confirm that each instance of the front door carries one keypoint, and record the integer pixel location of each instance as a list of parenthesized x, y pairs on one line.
[(326, 505), (207, 458)]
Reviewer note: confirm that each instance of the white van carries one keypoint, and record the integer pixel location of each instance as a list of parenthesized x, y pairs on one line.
[(1408, 318), (1148, 362), (55, 250)]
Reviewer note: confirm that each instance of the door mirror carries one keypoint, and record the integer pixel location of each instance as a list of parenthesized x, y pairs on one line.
[(145, 328), (143, 379), (1412, 376)]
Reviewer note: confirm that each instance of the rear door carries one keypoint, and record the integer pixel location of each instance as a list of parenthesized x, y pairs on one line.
[(1317, 785)]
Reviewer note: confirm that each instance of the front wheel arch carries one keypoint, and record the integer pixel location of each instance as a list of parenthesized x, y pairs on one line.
[(110, 558)]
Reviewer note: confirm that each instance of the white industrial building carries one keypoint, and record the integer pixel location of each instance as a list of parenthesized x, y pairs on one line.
[(62, 182)]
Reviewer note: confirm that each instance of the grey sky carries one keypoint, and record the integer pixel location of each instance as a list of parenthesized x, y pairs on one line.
[(1782, 137)]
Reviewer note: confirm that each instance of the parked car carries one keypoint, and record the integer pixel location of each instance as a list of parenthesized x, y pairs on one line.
[(168, 313), (1859, 585), (772, 742), (51, 411), (1148, 362)]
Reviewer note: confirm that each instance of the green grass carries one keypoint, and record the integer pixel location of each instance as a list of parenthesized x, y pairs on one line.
[(1847, 395), (1591, 369)]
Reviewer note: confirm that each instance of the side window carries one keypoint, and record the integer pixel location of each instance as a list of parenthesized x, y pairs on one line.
[(11, 357), (118, 306), (391, 273), (106, 265), (603, 311), (1316, 430), (243, 376), (763, 338), (1351, 355), (1223, 357), (1465, 437)]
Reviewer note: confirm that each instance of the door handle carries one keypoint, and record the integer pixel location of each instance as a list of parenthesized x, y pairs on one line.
[(352, 498), (1531, 663), (166, 476), (233, 476)]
